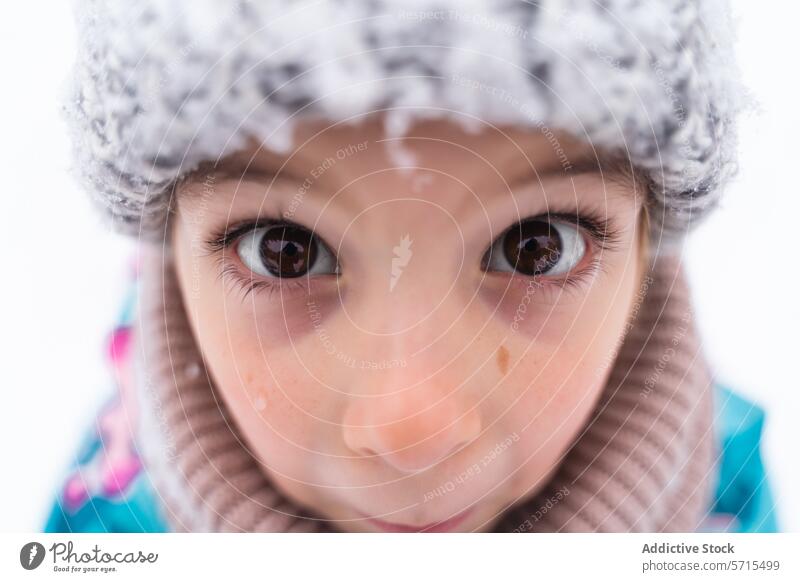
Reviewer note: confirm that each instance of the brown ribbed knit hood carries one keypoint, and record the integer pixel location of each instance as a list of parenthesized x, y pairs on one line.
[(642, 463)]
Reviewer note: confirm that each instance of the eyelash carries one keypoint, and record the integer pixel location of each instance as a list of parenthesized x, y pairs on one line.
[(247, 285), (223, 239), (604, 237)]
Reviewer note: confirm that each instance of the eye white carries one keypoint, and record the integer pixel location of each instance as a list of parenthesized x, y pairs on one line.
[(249, 250), (573, 248)]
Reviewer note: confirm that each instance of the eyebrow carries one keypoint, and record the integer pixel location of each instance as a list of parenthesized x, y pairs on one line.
[(614, 167), (240, 173)]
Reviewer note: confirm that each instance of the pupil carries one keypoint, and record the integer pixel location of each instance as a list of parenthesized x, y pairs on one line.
[(288, 251), (533, 247)]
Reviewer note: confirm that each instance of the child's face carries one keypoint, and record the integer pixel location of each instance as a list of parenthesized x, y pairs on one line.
[(409, 348)]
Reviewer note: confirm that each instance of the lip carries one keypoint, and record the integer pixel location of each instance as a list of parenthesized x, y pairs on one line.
[(435, 527)]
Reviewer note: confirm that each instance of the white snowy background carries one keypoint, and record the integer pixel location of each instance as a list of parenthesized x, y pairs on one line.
[(63, 275)]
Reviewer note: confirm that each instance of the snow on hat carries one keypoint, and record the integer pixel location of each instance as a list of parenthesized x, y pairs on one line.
[(160, 86)]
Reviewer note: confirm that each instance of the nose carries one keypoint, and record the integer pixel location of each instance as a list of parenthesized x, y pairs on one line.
[(412, 428)]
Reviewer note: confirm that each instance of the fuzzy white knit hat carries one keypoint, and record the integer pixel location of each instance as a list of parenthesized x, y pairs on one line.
[(163, 85)]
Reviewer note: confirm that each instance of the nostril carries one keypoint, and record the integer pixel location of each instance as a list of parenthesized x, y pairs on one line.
[(421, 438), (456, 448), (359, 440), (367, 452)]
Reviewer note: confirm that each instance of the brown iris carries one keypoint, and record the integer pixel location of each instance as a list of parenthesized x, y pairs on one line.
[(532, 247), (288, 251)]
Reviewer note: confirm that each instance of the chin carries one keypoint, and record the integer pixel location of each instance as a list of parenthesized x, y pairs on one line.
[(472, 519)]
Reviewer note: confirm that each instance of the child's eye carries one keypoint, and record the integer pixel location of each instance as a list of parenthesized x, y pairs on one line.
[(285, 251), (537, 247)]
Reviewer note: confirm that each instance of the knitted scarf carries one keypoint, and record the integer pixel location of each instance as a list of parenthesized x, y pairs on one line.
[(642, 462)]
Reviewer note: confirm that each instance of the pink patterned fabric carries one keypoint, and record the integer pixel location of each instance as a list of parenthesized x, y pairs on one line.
[(114, 466)]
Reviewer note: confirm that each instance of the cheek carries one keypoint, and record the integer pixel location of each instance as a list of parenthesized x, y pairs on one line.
[(562, 365), (280, 319), (548, 399), (258, 356), (547, 314), (565, 346), (554, 387)]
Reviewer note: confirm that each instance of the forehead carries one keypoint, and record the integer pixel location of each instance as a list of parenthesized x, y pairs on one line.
[(344, 152), (340, 170)]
